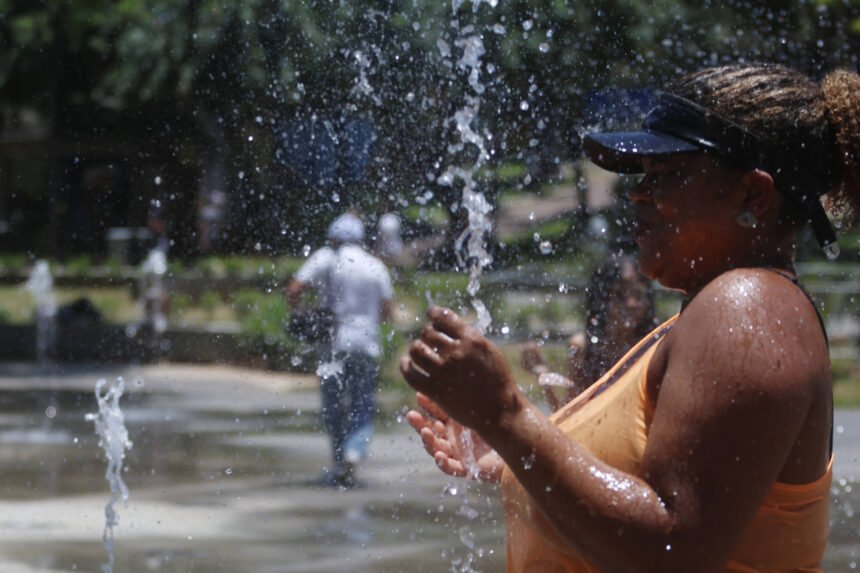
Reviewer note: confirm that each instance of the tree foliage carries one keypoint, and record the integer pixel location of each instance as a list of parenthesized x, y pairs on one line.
[(233, 83)]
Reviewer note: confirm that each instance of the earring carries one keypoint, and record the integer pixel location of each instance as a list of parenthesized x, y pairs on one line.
[(746, 220)]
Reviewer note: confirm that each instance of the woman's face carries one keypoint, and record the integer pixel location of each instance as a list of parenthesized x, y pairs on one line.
[(685, 208)]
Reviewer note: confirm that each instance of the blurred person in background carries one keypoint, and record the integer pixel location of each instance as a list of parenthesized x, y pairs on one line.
[(356, 288), (389, 243), (619, 304)]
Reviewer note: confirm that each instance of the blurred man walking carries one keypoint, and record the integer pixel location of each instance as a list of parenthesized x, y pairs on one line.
[(356, 287)]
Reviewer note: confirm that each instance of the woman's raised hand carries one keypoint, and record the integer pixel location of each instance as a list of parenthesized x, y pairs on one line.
[(462, 372), (454, 453)]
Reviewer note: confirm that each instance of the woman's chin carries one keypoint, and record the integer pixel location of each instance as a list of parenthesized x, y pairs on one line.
[(649, 264)]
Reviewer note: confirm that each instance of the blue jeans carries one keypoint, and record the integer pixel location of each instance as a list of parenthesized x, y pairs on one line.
[(349, 405)]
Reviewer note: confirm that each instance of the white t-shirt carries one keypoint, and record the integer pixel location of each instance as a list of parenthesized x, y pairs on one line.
[(354, 284)]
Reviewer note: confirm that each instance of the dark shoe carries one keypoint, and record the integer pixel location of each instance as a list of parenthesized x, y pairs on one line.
[(326, 479), (342, 478), (346, 475)]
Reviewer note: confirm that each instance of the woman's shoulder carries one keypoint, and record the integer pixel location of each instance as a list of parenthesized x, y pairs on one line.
[(753, 312), (750, 338), (753, 292)]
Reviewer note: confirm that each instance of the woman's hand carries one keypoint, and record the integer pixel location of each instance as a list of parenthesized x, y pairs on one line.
[(462, 372), (454, 453)]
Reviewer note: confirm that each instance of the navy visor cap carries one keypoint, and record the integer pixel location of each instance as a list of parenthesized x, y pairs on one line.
[(676, 125), (673, 127)]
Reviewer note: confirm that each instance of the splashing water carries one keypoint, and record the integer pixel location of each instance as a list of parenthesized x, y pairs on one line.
[(470, 246), (113, 439), (468, 444), (455, 4), (362, 84)]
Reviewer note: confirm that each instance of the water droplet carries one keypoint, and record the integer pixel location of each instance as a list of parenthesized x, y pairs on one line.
[(229, 471), (524, 105), (529, 461), (545, 247), (544, 48), (51, 412), (158, 179)]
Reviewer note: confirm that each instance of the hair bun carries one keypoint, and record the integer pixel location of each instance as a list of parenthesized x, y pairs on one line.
[(842, 99)]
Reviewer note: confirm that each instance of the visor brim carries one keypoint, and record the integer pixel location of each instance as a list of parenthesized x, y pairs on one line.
[(623, 151)]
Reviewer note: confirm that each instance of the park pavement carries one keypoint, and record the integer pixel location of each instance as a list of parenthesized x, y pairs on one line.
[(234, 498)]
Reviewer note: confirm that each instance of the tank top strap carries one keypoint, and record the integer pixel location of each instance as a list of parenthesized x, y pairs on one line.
[(793, 279), (617, 372), (811, 300)]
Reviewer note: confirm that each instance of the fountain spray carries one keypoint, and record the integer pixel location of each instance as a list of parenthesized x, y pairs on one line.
[(471, 245), (113, 439)]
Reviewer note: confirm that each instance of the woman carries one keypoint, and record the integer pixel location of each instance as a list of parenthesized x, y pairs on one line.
[(708, 446), (620, 311)]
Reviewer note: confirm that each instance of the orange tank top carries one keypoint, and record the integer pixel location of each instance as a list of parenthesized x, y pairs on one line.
[(611, 418)]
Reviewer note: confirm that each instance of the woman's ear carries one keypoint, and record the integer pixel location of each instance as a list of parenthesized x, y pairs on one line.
[(759, 192)]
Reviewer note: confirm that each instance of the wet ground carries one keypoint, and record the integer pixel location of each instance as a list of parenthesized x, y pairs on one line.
[(220, 474)]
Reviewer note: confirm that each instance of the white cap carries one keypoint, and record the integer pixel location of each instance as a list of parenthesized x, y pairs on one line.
[(389, 224), (346, 229)]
